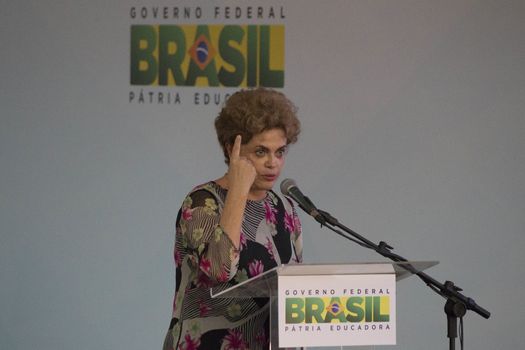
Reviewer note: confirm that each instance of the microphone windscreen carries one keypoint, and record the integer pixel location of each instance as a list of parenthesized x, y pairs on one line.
[(286, 184)]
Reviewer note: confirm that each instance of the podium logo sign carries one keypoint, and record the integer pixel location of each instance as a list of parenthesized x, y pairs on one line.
[(336, 310)]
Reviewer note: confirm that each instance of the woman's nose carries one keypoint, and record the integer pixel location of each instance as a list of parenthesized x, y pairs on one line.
[(271, 161)]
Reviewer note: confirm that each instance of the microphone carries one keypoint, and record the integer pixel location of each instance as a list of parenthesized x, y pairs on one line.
[(289, 188)]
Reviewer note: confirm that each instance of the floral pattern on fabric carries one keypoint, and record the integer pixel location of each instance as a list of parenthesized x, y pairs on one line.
[(205, 257)]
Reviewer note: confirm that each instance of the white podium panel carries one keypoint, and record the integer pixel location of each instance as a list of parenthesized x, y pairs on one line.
[(337, 310)]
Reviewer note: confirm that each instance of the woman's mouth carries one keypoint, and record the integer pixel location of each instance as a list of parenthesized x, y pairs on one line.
[(270, 177)]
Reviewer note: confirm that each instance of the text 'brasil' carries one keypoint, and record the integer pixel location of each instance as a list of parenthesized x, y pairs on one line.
[(337, 309), (207, 55)]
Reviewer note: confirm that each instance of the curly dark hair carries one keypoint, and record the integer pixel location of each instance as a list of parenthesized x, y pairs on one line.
[(252, 111)]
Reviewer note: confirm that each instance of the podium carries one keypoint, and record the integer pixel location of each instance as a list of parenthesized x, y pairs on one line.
[(327, 305)]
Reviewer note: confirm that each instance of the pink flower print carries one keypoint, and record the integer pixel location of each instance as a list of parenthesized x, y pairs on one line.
[(178, 258), (269, 248), (223, 275), (187, 214), (297, 224), (256, 267), (260, 337), (289, 222), (242, 241), (234, 341), (204, 309), (205, 265), (203, 281), (269, 213), (190, 343)]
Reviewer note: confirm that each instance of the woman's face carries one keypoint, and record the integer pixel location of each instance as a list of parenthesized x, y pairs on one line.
[(267, 152)]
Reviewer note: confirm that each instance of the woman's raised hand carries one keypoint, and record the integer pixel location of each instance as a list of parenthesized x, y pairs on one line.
[(241, 172)]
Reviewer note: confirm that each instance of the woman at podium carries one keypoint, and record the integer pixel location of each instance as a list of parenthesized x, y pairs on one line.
[(236, 227)]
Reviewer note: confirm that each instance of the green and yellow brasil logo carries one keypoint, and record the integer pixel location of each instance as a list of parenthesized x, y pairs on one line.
[(207, 55), (337, 309)]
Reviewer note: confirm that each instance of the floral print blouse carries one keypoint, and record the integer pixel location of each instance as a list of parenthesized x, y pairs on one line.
[(206, 257)]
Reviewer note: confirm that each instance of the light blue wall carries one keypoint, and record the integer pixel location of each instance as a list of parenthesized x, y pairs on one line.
[(414, 122)]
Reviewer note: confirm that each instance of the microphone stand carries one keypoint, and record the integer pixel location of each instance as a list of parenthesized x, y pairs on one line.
[(456, 305)]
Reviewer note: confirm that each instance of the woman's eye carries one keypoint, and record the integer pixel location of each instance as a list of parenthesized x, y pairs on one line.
[(260, 153), (280, 153)]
